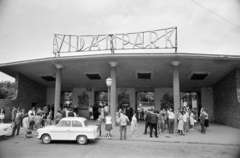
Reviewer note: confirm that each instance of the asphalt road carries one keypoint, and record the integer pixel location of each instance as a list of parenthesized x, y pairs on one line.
[(18, 147)]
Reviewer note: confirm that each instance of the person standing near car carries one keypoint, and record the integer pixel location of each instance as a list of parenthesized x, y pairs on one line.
[(99, 123), (17, 123), (58, 117)]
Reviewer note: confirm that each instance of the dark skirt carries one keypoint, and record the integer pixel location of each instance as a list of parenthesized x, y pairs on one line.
[(206, 123), (108, 127)]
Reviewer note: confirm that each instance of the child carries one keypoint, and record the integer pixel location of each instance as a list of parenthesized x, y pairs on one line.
[(206, 124), (202, 121), (99, 122)]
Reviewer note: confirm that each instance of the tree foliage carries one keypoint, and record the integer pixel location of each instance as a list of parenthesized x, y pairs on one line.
[(7, 90), (167, 101), (145, 97)]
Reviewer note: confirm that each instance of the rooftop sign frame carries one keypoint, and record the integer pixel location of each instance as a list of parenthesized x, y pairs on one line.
[(155, 39)]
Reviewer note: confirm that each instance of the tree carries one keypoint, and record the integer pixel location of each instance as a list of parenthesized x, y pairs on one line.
[(166, 101), (7, 90)]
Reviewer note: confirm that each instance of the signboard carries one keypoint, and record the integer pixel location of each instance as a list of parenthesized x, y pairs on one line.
[(155, 39)]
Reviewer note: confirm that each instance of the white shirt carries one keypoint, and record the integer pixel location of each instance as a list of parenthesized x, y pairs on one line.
[(106, 108), (171, 115), (108, 120), (31, 111), (90, 109)]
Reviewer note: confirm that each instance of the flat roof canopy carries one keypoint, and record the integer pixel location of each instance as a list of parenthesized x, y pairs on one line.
[(130, 66)]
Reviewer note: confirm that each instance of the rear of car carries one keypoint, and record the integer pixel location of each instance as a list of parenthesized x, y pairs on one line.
[(5, 129)]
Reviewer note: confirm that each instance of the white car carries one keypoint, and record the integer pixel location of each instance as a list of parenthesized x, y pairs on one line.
[(5, 129), (70, 128)]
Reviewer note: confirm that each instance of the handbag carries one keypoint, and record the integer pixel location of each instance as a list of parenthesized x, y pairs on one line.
[(29, 131)]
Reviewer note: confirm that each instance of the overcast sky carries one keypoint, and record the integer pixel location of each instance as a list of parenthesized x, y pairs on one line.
[(27, 26)]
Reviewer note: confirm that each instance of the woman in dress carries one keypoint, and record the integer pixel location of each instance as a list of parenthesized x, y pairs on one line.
[(191, 120), (108, 126), (160, 122), (180, 123), (134, 125)]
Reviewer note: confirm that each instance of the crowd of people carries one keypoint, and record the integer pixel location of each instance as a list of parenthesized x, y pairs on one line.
[(38, 118), (156, 121)]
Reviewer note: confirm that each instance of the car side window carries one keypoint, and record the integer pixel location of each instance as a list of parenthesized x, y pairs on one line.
[(64, 124), (76, 124)]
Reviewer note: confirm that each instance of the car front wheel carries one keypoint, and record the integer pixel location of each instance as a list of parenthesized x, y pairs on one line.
[(46, 139), (82, 140)]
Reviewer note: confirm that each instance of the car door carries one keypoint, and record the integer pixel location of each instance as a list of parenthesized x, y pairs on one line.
[(63, 130), (77, 129)]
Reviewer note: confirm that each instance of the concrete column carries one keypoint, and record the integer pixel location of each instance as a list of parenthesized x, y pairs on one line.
[(176, 91), (113, 102), (58, 88)]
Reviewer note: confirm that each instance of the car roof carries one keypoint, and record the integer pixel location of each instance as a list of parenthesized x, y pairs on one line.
[(74, 118)]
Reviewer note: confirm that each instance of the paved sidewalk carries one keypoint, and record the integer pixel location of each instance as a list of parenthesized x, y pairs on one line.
[(217, 135)]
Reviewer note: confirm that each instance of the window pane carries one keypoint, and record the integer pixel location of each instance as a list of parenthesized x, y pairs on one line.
[(76, 124), (64, 124)]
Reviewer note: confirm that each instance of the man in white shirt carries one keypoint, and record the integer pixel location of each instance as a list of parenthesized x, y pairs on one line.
[(32, 111), (171, 117), (123, 125)]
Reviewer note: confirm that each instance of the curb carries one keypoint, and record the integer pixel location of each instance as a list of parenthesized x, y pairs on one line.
[(177, 142)]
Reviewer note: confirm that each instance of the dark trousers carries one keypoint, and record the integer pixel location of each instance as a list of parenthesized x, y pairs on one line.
[(202, 128), (31, 124), (99, 130), (170, 125), (123, 128), (147, 124), (16, 127), (42, 123), (153, 125)]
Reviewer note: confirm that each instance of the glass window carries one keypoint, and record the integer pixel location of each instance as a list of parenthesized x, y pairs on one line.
[(76, 124), (64, 124)]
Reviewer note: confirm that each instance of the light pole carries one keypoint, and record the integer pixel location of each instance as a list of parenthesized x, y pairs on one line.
[(109, 83)]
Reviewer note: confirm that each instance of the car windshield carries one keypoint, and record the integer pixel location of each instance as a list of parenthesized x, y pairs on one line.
[(86, 123)]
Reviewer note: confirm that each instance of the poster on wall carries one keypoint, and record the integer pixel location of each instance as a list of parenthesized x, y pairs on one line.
[(194, 103)]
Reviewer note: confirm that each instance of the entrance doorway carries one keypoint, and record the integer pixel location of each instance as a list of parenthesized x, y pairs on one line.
[(144, 102)]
